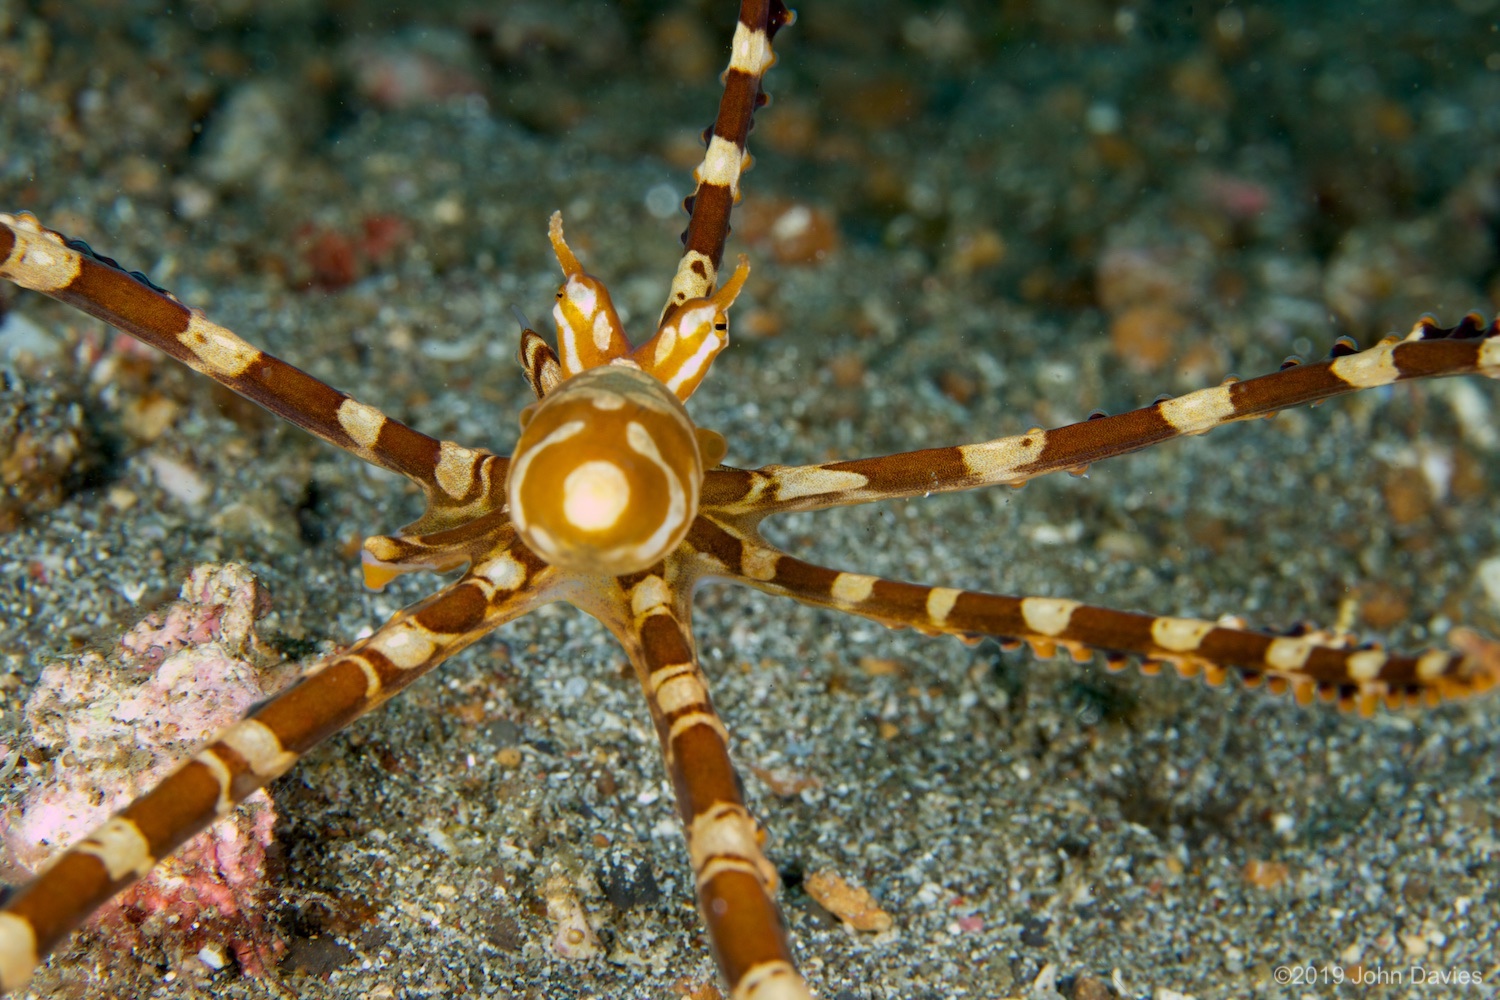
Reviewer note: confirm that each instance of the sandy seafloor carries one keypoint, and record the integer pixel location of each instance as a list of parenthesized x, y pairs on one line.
[(1289, 173)]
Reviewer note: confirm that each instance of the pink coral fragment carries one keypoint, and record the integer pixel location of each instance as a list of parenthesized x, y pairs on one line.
[(110, 726)]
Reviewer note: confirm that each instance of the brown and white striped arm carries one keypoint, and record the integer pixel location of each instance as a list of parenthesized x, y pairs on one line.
[(737, 885), (1428, 351), (1332, 668), (505, 585), (539, 362), (718, 177), (385, 557), (459, 482)]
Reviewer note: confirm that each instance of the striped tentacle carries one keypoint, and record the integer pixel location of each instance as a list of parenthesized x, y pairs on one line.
[(387, 556), (539, 362), (1428, 351), (458, 482), (1331, 667), (736, 883), (260, 748), (718, 177)]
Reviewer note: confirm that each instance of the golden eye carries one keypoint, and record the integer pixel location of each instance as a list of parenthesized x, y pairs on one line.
[(606, 475)]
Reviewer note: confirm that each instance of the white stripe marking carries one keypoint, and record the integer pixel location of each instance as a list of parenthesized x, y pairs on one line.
[(852, 588), (680, 693), (1367, 369), (649, 594), (521, 464), (727, 830), (219, 350), (809, 480), (1048, 615), (666, 340), (721, 164), (759, 564), (372, 676), (121, 846), (723, 865), (686, 284), (1180, 635), (1288, 654), (38, 261), (454, 471), (1198, 411), (695, 363), (1432, 665), (220, 771), (603, 333), (407, 646), (18, 956), (771, 980), (262, 750), (940, 601), (661, 675), (996, 461), (361, 422), (1489, 357), (674, 517), (504, 571), (750, 52), (1366, 664)]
